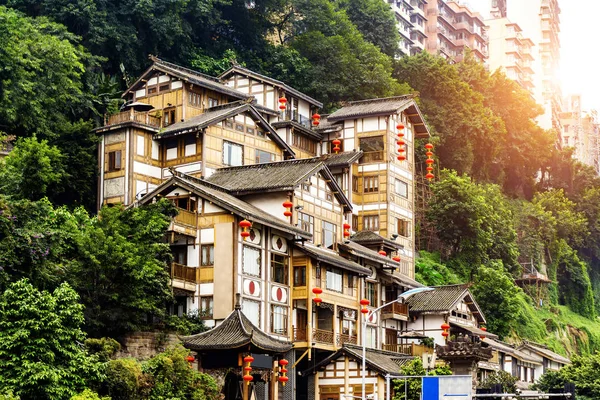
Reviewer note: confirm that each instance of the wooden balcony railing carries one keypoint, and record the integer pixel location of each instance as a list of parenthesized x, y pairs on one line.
[(371, 156), (396, 308), (183, 273), (322, 336), (139, 117), (185, 217), (300, 335), (341, 339), (415, 350)]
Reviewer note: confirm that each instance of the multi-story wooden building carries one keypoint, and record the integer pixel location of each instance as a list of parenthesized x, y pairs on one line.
[(238, 147)]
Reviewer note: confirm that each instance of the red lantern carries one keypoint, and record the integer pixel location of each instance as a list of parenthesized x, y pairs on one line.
[(483, 328), (316, 116), (190, 359), (429, 168), (401, 150), (247, 369), (400, 142), (315, 122), (283, 379), (365, 302), (430, 176), (287, 213), (249, 359), (445, 334), (347, 226), (401, 157), (382, 253), (429, 154), (346, 234), (429, 146), (400, 126), (336, 145), (282, 101), (317, 300), (245, 224), (283, 371), (396, 258), (317, 291), (283, 361), (430, 161), (445, 326), (364, 311), (248, 379), (400, 135), (288, 204)]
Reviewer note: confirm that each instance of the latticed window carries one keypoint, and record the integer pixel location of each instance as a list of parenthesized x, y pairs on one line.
[(306, 222), (329, 232), (334, 279), (371, 293), (208, 255), (371, 222), (370, 184), (279, 268), (251, 260), (206, 307)]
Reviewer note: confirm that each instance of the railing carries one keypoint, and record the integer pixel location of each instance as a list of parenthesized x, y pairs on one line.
[(341, 339), (139, 117), (322, 336), (185, 217), (296, 117), (396, 308), (300, 335), (183, 273), (415, 350), (371, 156)]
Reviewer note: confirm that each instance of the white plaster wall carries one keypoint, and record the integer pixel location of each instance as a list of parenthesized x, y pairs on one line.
[(114, 187), (207, 236), (154, 150), (271, 203), (431, 323), (146, 169)]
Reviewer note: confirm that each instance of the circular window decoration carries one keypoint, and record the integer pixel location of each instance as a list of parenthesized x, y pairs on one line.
[(279, 244), (255, 235), (279, 294), (251, 288)]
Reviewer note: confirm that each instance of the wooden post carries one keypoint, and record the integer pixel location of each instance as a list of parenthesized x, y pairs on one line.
[(245, 386)]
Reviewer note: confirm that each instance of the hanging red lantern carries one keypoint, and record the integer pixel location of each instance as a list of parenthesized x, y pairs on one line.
[(336, 145), (346, 226), (396, 258), (400, 134), (249, 359), (365, 302), (429, 146), (401, 157), (401, 150), (317, 291), (429, 168), (190, 359), (400, 142), (346, 230), (245, 224), (283, 362), (429, 154), (247, 369), (282, 103), (445, 326), (248, 379), (483, 328), (288, 206), (400, 126), (317, 300), (287, 213), (382, 253), (429, 161), (316, 116), (445, 334), (364, 311), (283, 380), (283, 371), (316, 119), (430, 176), (346, 234)]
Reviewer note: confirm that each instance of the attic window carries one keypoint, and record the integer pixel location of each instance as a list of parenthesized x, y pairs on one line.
[(152, 90), (164, 87), (373, 149)]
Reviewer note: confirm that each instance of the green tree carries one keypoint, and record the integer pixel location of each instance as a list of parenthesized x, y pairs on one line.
[(508, 382), (121, 269), (431, 272), (40, 333), (583, 372), (413, 385), (573, 224), (32, 170), (496, 294)]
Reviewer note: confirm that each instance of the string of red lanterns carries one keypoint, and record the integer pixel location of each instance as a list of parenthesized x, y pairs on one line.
[(429, 161), (346, 230), (400, 142), (283, 371), (364, 303), (316, 119), (288, 208), (282, 103), (247, 369), (445, 327), (483, 328), (317, 291), (245, 224), (336, 145)]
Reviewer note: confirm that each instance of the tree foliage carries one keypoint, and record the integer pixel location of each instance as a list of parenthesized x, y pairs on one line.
[(413, 385), (40, 336)]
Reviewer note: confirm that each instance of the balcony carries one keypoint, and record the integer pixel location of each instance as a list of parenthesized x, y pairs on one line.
[(412, 349), (185, 222), (371, 156), (397, 311), (183, 277), (322, 336), (341, 339), (293, 115), (139, 117)]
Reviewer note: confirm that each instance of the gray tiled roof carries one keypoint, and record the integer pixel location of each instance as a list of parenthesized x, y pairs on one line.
[(276, 176), (191, 76), (327, 126), (362, 251), (370, 237), (341, 159), (211, 116), (382, 106), (442, 298), (332, 258), (383, 362), (274, 82), (474, 330), (545, 352), (221, 198), (234, 332)]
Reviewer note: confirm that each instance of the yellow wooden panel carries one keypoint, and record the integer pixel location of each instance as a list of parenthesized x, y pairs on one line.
[(206, 274)]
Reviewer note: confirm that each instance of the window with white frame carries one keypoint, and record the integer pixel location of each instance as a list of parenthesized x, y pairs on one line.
[(371, 337), (206, 306), (334, 279), (306, 223), (251, 261), (233, 154), (251, 309), (328, 237), (401, 188), (279, 319)]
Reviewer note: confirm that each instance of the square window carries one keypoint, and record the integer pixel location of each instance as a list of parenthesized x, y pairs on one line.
[(239, 127), (403, 228), (264, 157), (306, 223), (232, 154), (401, 188), (334, 279), (114, 160), (251, 261), (370, 184), (212, 102), (208, 255)]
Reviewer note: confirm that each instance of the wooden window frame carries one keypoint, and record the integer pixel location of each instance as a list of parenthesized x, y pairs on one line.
[(373, 220), (115, 160), (211, 252), (371, 184), (285, 265)]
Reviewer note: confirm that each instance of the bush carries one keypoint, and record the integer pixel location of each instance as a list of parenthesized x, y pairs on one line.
[(508, 382), (87, 394), (105, 348), (123, 378)]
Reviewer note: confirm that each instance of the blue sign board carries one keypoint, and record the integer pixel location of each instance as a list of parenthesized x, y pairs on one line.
[(451, 387)]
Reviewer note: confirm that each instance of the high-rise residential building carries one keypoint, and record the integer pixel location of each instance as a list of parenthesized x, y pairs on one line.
[(444, 27), (511, 52), (579, 130), (452, 28), (539, 21)]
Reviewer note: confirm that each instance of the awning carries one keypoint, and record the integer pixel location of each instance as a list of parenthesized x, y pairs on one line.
[(332, 258), (474, 330)]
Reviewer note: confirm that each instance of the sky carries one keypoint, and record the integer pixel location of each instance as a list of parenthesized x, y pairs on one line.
[(580, 56)]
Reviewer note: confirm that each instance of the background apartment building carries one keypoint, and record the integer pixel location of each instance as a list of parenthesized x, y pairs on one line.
[(580, 131)]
